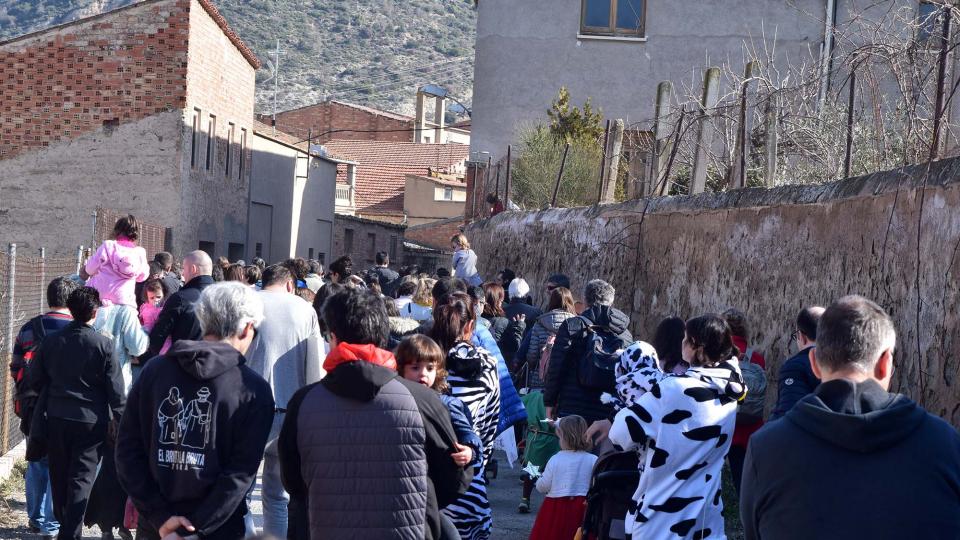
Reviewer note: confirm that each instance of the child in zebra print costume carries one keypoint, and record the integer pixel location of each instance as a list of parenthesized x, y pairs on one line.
[(473, 379)]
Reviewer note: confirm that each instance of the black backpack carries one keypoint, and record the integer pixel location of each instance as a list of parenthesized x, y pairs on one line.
[(25, 399), (596, 369)]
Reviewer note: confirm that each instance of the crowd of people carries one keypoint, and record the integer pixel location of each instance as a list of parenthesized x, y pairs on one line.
[(152, 393)]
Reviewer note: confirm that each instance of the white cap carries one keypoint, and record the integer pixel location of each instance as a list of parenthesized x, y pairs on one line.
[(518, 288)]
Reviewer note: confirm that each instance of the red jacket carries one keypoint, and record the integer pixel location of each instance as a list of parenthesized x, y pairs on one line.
[(742, 432)]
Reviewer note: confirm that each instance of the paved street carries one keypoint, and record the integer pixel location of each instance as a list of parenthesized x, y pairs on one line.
[(504, 496)]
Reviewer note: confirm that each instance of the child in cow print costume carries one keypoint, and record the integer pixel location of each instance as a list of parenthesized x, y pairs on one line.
[(681, 425)]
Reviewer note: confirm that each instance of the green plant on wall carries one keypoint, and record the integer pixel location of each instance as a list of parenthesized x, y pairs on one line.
[(570, 123), (538, 161)]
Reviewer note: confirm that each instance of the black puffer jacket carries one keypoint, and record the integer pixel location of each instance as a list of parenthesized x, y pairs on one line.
[(178, 320), (367, 453), (563, 389)]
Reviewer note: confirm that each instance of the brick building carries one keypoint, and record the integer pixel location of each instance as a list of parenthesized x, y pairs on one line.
[(338, 120), (146, 109), (435, 235), (380, 176), (361, 239)]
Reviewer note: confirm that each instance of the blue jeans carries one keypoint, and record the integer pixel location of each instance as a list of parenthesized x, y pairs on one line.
[(275, 499), (40, 498)]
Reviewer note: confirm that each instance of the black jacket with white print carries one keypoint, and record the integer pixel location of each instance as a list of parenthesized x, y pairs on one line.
[(193, 435)]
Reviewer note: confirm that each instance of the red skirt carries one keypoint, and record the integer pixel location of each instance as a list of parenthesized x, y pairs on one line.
[(559, 518)]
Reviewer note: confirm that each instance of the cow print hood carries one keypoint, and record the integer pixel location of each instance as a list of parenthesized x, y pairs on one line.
[(639, 372)]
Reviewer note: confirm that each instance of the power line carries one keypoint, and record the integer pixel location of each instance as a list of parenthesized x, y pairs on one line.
[(403, 79), (384, 86), (407, 70)]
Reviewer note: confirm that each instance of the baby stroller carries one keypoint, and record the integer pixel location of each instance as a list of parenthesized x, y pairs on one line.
[(615, 479)]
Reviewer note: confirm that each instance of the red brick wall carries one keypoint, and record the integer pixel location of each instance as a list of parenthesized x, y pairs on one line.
[(330, 116), (65, 82), (435, 235)]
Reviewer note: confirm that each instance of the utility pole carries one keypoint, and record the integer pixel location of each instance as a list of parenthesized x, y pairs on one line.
[(276, 82)]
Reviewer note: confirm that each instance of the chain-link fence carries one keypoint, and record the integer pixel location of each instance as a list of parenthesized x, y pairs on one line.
[(23, 287)]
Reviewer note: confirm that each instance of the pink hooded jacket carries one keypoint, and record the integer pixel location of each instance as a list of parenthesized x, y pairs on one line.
[(115, 269)]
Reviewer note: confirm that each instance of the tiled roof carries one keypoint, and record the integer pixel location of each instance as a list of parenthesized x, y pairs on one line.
[(453, 182), (383, 168), (267, 131)]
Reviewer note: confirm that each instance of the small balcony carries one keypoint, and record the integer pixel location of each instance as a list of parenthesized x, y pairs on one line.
[(344, 196)]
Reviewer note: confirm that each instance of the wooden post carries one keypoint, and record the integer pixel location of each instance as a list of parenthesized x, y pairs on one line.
[(506, 188), (603, 161), (941, 77), (609, 188), (661, 135), (738, 176), (556, 188), (708, 102), (773, 123), (851, 102), (663, 185)]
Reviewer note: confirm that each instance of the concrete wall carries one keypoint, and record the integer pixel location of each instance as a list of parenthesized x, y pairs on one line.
[(768, 252), (47, 196), (317, 212), (527, 49), (300, 196), (423, 200)]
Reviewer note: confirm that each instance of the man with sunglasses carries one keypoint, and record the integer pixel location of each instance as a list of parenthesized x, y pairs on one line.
[(796, 378)]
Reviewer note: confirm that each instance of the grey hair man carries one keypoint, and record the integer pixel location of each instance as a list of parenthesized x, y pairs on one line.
[(564, 394), (852, 444), (177, 320), (287, 354), (196, 425)]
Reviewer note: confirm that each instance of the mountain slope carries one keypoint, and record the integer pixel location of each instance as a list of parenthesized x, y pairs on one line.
[(371, 52)]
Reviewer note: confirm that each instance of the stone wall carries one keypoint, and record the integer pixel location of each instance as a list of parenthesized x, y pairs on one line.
[(47, 196), (768, 252), (352, 236)]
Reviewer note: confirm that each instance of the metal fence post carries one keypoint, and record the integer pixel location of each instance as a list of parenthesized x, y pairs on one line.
[(8, 342), (42, 281), (79, 258)]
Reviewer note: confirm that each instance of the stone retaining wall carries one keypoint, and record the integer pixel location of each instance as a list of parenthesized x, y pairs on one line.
[(767, 252)]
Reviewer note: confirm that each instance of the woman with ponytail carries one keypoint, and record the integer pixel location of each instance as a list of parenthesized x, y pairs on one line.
[(681, 426), (472, 377)]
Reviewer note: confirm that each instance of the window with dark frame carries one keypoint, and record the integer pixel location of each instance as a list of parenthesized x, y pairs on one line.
[(309, 253), (195, 138), (347, 241), (243, 153), (393, 248), (614, 18), (211, 140), (258, 250), (231, 127)]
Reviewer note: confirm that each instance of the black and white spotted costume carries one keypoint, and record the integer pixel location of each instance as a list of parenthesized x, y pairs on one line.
[(473, 379), (682, 426)]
